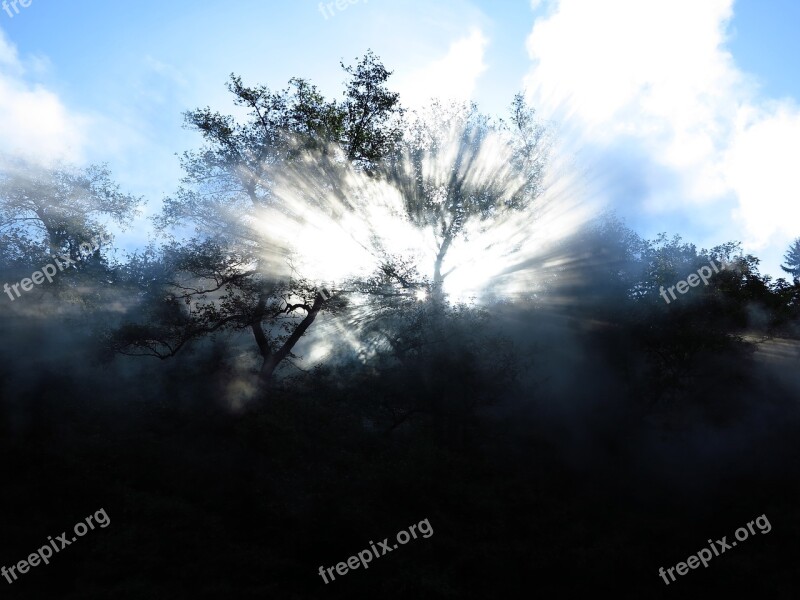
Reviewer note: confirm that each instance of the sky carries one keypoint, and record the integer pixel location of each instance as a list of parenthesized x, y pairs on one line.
[(681, 115)]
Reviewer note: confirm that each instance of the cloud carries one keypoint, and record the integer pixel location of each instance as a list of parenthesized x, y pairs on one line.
[(656, 79), (452, 77), (761, 164), (35, 121), (8, 53)]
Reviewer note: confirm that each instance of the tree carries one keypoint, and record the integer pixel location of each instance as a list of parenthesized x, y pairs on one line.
[(456, 167), (61, 211), (792, 258), (232, 171), (221, 278)]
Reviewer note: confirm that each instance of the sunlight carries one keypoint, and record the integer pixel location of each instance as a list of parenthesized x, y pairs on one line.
[(331, 223)]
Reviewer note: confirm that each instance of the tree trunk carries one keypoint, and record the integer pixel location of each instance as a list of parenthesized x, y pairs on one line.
[(438, 279), (272, 360)]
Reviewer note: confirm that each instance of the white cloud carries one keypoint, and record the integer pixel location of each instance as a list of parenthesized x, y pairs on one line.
[(762, 165), (8, 53), (453, 76), (657, 76), (35, 121)]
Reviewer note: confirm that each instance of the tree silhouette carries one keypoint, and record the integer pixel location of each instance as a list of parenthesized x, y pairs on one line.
[(792, 258), (61, 211), (220, 279), (456, 166)]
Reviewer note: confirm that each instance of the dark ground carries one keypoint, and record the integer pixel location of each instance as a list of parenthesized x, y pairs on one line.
[(569, 484)]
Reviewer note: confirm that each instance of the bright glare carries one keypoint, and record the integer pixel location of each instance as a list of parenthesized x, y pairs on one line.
[(335, 224)]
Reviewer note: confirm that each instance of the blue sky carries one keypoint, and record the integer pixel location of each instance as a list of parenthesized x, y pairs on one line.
[(684, 114)]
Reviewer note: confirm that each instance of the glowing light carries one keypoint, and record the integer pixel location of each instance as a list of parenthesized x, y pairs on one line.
[(329, 222)]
